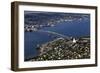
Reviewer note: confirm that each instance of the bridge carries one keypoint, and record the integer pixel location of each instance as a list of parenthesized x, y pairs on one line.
[(55, 33)]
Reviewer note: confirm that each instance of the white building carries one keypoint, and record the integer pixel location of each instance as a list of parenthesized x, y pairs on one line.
[(74, 41)]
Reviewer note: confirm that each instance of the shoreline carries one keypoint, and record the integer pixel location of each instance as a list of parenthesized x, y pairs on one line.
[(46, 48)]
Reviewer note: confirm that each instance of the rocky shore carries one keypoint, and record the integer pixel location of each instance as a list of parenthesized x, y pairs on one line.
[(64, 49)]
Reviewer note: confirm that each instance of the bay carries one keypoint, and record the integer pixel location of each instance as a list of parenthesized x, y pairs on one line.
[(75, 29)]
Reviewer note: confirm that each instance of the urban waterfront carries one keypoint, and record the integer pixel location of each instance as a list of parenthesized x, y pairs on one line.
[(44, 27)]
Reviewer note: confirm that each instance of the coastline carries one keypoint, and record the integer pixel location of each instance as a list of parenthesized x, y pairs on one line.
[(61, 49)]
